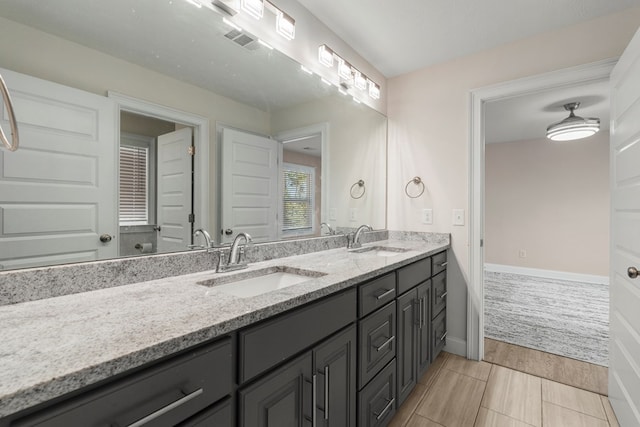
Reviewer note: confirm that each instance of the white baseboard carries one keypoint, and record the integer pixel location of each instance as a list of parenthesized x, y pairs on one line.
[(456, 346), (547, 274)]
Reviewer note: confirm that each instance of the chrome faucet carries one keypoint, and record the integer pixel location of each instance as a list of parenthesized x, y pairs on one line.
[(207, 239), (329, 229), (353, 240), (237, 258)]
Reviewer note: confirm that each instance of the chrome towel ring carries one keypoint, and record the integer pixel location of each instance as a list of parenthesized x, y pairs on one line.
[(359, 184), (417, 181), (11, 146)]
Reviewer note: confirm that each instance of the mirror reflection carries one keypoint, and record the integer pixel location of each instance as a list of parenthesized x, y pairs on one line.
[(142, 121)]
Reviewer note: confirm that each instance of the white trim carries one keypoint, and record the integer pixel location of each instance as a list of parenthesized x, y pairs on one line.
[(547, 274), (200, 126), (323, 130), (567, 77), (456, 346)]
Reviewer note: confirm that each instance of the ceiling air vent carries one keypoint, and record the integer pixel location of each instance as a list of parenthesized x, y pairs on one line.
[(241, 38)]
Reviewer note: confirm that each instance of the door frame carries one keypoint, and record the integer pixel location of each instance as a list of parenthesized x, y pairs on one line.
[(200, 127), (568, 77)]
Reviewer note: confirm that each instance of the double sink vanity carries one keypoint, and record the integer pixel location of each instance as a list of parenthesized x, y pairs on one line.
[(335, 337)]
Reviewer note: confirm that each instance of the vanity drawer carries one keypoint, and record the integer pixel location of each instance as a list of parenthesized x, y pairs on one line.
[(273, 341), (377, 402), (219, 415), (413, 274), (377, 342), (376, 293), (167, 394), (438, 334), (438, 262), (438, 293)]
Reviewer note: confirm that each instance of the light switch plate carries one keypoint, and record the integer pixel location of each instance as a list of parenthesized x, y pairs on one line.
[(427, 216), (458, 217), (333, 214), (353, 214)]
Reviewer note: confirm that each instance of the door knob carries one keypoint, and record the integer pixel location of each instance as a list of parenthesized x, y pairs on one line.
[(105, 238), (632, 272), (228, 232)]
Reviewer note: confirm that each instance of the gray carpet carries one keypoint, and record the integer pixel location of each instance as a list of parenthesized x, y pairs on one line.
[(556, 316)]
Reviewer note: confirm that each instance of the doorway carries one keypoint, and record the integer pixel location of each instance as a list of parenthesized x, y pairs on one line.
[(479, 99)]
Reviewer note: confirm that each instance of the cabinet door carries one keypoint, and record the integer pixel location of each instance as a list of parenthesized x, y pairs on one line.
[(423, 347), (376, 342), (335, 369), (281, 399), (406, 333)]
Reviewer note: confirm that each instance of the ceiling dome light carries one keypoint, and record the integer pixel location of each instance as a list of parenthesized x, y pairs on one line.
[(573, 127)]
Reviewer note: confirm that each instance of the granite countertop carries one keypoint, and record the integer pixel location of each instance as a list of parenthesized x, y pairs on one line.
[(57, 345)]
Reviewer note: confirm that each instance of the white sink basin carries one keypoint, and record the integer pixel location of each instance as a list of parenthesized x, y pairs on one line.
[(248, 284), (385, 251)]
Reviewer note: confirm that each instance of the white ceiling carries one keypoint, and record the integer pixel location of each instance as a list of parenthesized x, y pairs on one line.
[(401, 36), (527, 117)]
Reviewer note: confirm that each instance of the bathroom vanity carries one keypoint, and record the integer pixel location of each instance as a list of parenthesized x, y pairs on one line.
[(342, 348)]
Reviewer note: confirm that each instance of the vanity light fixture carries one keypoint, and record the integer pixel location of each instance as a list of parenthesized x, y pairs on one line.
[(360, 80), (254, 8), (344, 70), (374, 90), (573, 127), (325, 56), (285, 25)]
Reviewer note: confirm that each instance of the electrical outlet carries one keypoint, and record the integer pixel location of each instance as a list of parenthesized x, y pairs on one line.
[(522, 253), (333, 214), (427, 216), (458, 217), (353, 214)]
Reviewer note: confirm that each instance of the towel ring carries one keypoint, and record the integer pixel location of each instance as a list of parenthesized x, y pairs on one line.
[(417, 181), (11, 146), (360, 184)]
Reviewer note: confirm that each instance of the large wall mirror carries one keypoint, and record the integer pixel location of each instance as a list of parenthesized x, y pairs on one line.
[(142, 121)]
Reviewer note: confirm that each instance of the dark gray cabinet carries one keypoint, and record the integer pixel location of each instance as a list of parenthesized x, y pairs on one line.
[(219, 415), (317, 388), (407, 343), (376, 342), (377, 401), (163, 395), (423, 343)]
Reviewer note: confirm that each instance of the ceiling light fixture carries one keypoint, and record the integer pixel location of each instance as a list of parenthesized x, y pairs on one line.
[(254, 8), (573, 127)]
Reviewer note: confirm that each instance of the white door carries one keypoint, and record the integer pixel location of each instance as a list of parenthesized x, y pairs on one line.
[(624, 359), (174, 190), (250, 196), (58, 191)]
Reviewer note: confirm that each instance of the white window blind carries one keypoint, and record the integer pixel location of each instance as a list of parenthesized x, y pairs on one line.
[(298, 198), (134, 202)]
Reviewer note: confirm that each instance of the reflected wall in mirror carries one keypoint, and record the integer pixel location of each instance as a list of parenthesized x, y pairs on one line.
[(91, 181)]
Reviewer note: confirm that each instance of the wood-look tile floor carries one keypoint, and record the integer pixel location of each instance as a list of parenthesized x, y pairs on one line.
[(456, 392)]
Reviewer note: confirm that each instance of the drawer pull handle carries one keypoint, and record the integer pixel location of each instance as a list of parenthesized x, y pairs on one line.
[(444, 336), (444, 264), (385, 293), (384, 411), (167, 408), (386, 343), (326, 392), (444, 294)]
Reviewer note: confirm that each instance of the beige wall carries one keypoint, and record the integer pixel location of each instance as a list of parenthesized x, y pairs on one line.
[(316, 163), (429, 128), (357, 150), (551, 200)]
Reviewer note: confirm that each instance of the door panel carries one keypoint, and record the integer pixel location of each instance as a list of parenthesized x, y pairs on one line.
[(59, 189), (624, 363), (250, 196), (174, 190), (406, 357)]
